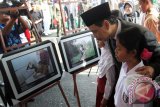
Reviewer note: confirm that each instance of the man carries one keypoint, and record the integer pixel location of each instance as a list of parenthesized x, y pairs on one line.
[(150, 19), (37, 17), (106, 27)]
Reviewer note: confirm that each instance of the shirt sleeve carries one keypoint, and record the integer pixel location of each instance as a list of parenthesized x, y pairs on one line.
[(151, 24), (110, 75)]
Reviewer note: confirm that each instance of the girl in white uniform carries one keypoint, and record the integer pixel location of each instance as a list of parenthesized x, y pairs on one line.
[(106, 77), (128, 51)]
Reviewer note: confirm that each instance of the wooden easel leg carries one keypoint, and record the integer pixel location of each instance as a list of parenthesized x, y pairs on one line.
[(74, 82), (23, 104), (65, 98), (76, 90), (97, 70), (89, 71)]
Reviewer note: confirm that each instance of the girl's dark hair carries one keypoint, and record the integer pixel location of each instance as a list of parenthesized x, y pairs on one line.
[(131, 39)]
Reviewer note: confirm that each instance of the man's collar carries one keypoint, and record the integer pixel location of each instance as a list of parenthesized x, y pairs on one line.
[(118, 29)]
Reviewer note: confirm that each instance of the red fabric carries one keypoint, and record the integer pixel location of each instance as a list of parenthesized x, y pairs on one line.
[(149, 95), (146, 55), (55, 22), (27, 34), (78, 8), (100, 90)]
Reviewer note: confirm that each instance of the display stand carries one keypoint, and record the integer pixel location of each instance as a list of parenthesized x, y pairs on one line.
[(91, 70), (24, 102), (74, 75)]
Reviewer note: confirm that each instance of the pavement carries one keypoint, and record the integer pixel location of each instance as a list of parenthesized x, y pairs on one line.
[(86, 87)]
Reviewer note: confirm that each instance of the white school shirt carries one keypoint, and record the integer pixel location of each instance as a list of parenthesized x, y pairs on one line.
[(106, 60), (106, 67), (120, 89)]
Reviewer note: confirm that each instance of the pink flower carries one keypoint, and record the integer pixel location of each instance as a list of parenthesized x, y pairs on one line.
[(146, 55)]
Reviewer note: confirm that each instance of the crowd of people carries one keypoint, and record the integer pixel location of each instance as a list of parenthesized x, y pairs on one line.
[(124, 42)]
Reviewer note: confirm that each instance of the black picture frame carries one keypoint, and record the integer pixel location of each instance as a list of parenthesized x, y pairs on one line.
[(78, 51), (28, 70), (3, 102)]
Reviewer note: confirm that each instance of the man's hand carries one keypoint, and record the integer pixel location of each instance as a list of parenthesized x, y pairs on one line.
[(14, 13), (103, 103), (145, 70)]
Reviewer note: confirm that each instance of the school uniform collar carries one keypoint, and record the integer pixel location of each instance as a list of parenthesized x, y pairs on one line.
[(118, 29), (132, 71)]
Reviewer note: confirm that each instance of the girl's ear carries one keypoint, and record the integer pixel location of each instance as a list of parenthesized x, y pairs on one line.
[(106, 24), (134, 52)]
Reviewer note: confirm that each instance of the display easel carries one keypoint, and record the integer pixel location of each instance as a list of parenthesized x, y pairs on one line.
[(74, 76), (24, 102), (37, 39), (2, 97)]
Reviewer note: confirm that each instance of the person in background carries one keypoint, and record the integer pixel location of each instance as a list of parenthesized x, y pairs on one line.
[(58, 18), (106, 76), (11, 29), (129, 52), (129, 12), (105, 27), (46, 17), (150, 19), (37, 16), (121, 5)]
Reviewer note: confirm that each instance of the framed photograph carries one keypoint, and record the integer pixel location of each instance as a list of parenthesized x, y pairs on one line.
[(30, 69), (78, 51)]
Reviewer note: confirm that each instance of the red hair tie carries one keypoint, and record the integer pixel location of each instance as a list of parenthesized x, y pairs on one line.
[(146, 55)]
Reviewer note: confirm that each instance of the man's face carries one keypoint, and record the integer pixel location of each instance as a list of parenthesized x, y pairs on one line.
[(100, 33), (143, 5)]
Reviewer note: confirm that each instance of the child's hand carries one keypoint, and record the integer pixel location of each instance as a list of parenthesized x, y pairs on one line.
[(103, 103), (145, 70)]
